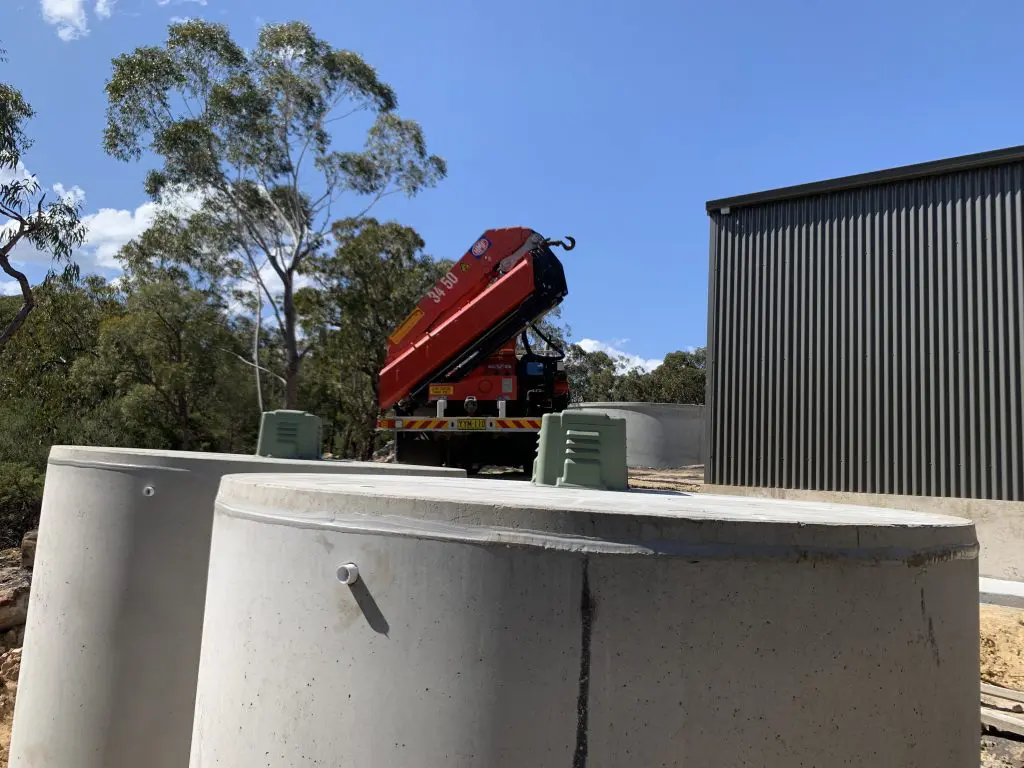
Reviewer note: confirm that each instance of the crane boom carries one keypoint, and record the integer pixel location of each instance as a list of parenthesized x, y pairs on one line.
[(506, 280)]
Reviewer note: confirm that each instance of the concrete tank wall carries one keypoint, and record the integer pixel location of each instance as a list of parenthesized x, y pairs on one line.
[(115, 621), (505, 625), (658, 435), (999, 524)]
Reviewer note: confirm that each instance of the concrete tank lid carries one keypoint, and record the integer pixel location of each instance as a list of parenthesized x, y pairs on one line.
[(653, 521), (108, 456)]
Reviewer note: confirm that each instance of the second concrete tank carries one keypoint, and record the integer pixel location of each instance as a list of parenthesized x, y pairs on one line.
[(658, 435), (434, 623), (115, 619)]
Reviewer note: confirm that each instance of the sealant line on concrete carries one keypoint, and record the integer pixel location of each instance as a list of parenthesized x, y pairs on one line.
[(445, 530), (579, 757), (115, 466)]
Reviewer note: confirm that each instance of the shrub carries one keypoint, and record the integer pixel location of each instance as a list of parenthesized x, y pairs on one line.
[(21, 495)]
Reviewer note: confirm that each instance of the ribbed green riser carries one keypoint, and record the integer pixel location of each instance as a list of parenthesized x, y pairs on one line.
[(581, 450)]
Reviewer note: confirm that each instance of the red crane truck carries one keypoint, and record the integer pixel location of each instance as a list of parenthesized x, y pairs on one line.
[(454, 388)]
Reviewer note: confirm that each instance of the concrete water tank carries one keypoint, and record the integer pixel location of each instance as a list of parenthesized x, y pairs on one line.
[(436, 623), (114, 625), (658, 435)]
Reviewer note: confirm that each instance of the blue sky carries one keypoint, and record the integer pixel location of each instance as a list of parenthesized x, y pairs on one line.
[(612, 122)]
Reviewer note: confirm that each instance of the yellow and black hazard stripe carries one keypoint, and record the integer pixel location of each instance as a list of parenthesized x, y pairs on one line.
[(425, 424), (452, 424), (517, 423)]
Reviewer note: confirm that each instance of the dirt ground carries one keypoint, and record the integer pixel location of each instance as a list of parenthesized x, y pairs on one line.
[(1001, 753), (1002, 646), (8, 690), (1002, 663), (6, 719), (684, 479)]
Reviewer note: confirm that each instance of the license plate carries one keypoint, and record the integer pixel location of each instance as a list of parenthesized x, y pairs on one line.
[(479, 424)]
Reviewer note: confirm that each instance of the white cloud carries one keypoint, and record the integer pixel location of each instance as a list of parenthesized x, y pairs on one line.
[(68, 16), (8, 175), (110, 229), (179, 2), (10, 288), (75, 195), (613, 349)]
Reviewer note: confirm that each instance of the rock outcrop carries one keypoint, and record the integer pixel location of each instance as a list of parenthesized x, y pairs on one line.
[(28, 549), (14, 588)]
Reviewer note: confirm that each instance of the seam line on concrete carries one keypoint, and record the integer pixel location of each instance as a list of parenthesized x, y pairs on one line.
[(579, 758)]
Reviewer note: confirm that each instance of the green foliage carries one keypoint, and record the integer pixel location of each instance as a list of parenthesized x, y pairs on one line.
[(39, 408), (376, 275), (247, 135), (14, 112), (592, 376), (597, 377), (21, 493), (168, 366), (679, 379), (26, 218)]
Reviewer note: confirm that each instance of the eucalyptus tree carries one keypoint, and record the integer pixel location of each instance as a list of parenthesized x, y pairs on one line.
[(248, 135), (27, 220)]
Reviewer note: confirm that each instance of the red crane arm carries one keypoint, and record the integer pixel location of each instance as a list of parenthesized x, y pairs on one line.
[(506, 280), (494, 250)]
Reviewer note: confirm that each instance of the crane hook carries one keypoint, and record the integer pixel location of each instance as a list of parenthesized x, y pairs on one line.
[(562, 244)]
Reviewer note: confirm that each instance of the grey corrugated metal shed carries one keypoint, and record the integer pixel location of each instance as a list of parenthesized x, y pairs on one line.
[(867, 333)]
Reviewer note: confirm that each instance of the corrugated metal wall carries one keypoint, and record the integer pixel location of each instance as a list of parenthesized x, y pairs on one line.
[(872, 339)]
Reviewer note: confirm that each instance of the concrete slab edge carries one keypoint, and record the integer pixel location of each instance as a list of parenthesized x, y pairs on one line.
[(1001, 592)]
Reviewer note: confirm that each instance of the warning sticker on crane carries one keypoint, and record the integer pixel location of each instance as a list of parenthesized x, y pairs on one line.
[(441, 390), (406, 325)]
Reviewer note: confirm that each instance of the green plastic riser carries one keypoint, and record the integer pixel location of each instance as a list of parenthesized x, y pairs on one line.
[(577, 449), (289, 435)]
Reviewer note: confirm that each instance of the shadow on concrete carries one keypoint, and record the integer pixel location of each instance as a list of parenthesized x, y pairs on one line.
[(371, 611)]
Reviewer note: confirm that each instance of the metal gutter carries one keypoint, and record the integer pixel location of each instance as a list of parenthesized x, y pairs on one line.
[(902, 173)]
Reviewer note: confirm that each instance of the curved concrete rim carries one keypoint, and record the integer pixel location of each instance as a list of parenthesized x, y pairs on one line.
[(638, 522), (638, 405), (101, 457)]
